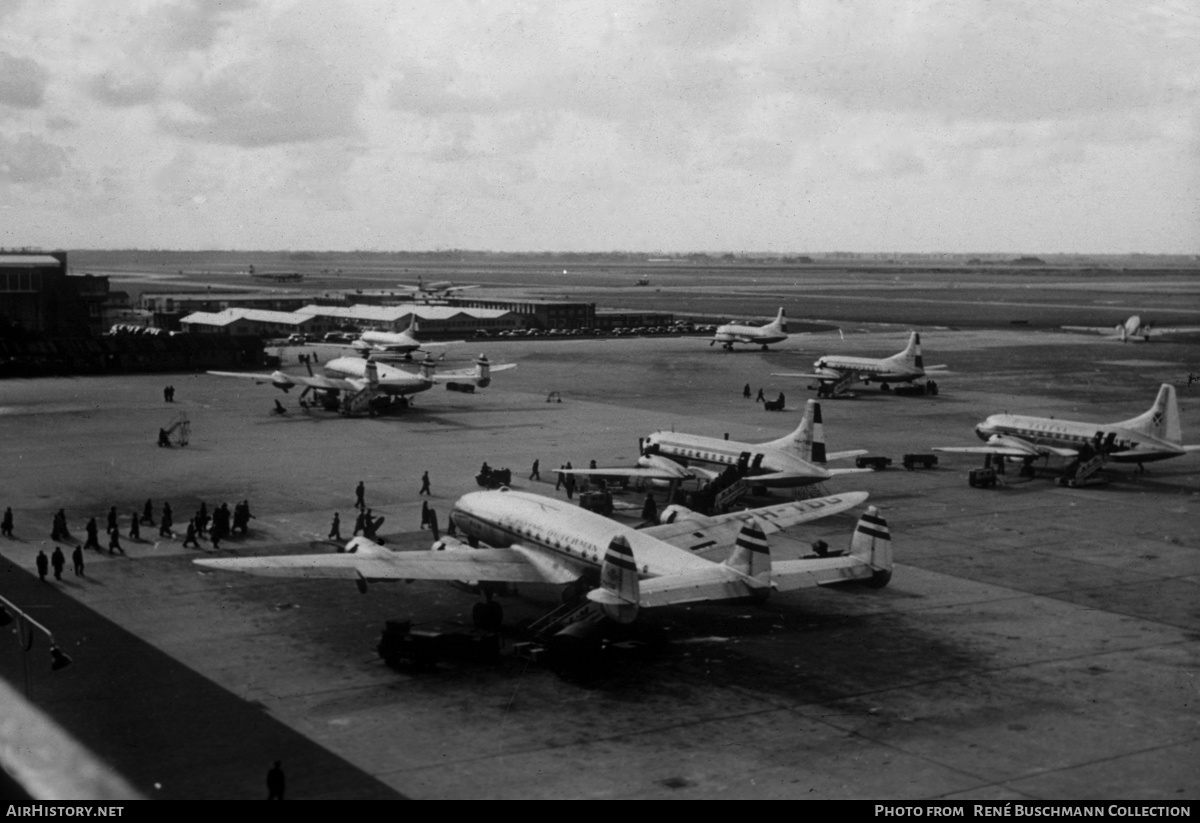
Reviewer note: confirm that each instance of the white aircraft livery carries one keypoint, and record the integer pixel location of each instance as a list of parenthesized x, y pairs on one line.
[(1151, 436), (796, 459), (836, 373), (534, 539), (1133, 329), (774, 332), (354, 384)]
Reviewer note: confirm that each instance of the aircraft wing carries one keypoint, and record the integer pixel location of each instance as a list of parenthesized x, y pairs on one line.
[(257, 378), (286, 381), (720, 532), (365, 560), (1009, 451), (467, 374), (845, 454)]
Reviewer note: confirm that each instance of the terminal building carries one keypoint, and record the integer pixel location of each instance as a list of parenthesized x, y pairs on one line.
[(37, 295)]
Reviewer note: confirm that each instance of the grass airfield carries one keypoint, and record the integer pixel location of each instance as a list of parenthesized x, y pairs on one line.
[(1035, 641)]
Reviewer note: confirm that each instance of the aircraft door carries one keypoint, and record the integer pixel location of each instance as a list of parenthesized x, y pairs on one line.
[(743, 463), (756, 464)]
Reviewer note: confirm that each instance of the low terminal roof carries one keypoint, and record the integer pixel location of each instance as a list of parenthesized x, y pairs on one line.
[(224, 318), (26, 260), (392, 314)]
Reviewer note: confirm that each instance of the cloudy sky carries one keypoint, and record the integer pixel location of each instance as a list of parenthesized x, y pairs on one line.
[(797, 125)]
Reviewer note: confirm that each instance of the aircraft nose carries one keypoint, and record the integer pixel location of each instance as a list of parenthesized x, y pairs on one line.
[(983, 431)]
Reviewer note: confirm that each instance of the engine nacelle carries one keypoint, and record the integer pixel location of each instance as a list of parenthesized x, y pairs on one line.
[(281, 381), (677, 512), (450, 543)]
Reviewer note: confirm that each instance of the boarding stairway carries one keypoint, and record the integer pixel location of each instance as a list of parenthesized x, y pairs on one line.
[(836, 388), (1083, 472), (357, 403), (565, 615), (727, 497)]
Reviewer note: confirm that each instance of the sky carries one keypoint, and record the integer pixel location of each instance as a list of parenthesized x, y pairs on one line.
[(572, 125)]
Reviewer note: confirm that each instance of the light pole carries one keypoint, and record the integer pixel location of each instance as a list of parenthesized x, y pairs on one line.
[(9, 613)]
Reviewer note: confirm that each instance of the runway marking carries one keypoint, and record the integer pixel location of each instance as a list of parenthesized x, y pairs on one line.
[(1138, 363)]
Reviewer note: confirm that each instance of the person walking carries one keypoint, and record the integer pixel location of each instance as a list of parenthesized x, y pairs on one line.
[(6, 525), (114, 542), (360, 522), (424, 485), (424, 514), (148, 513), (112, 520), (135, 528), (746, 391), (535, 474), (57, 560), (43, 565), (360, 493), (761, 398), (93, 541), (190, 535), (77, 560), (276, 782), (335, 530)]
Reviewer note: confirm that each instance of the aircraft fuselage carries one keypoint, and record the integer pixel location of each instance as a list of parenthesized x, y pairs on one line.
[(755, 459), (574, 536), (1071, 434)]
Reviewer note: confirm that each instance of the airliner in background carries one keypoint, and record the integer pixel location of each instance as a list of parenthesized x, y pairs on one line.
[(773, 332), (837, 373), (1133, 330)]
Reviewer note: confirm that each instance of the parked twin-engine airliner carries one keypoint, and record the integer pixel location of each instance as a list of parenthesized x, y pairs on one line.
[(836, 373), (1133, 330), (1151, 436), (796, 459), (362, 385), (379, 343), (536, 539), (773, 332)]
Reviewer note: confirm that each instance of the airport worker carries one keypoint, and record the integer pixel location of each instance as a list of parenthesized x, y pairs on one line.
[(433, 524), (166, 394), (164, 439), (77, 560), (425, 484), (114, 541), (558, 483), (760, 398), (148, 513), (112, 520), (650, 509), (360, 492), (57, 560), (360, 522), (535, 474), (746, 391), (276, 782), (216, 539), (335, 529), (570, 484), (43, 565), (164, 530), (135, 529), (190, 535), (485, 469), (92, 540), (6, 525), (424, 513)]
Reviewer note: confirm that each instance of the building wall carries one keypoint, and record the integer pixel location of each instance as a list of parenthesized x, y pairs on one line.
[(37, 294)]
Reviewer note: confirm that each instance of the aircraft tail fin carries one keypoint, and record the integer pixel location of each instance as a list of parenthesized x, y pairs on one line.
[(911, 356), (872, 543), (483, 371), (1161, 420), (751, 554), (808, 440), (619, 588), (371, 372), (779, 324)]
